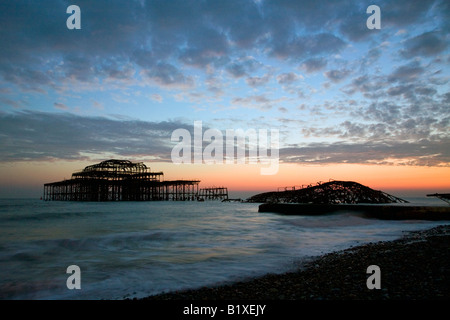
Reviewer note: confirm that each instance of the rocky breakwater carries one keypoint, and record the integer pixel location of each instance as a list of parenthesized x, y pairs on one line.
[(384, 212)]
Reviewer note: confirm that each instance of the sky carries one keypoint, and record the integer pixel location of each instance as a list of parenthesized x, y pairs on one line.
[(349, 102)]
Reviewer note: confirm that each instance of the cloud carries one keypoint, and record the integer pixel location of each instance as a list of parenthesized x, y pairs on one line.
[(31, 135), (381, 133), (260, 102), (426, 91), (156, 97), (370, 59), (314, 64), (301, 47), (427, 44), (337, 75), (406, 12), (401, 90), (60, 106), (215, 85), (288, 82), (243, 66), (201, 50), (288, 78), (384, 112), (388, 138), (258, 81), (168, 76), (98, 105), (398, 14), (422, 153), (121, 40), (354, 26), (406, 73), (17, 104), (205, 47), (236, 70)]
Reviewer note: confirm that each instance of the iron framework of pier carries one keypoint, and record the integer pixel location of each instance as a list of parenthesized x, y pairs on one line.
[(332, 192), (213, 193), (120, 180), (443, 196)]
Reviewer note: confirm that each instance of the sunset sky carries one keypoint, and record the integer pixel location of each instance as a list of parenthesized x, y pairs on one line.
[(350, 103)]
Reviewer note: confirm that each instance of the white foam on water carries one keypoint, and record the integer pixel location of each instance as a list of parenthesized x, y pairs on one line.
[(135, 249)]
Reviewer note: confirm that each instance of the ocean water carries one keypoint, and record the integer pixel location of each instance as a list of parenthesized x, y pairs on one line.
[(135, 249)]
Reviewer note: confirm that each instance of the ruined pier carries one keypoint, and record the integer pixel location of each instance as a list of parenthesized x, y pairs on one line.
[(213, 193), (120, 180), (443, 196)]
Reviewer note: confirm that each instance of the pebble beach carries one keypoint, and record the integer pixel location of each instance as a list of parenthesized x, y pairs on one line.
[(413, 267)]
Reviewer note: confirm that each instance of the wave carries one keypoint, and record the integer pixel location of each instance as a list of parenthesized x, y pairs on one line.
[(18, 217), (126, 241), (337, 220)]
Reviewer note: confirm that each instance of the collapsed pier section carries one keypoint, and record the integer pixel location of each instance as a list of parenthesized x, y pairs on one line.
[(443, 196), (120, 180), (332, 192), (213, 193)]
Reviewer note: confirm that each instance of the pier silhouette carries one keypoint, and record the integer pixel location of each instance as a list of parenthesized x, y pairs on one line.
[(120, 180), (332, 192)]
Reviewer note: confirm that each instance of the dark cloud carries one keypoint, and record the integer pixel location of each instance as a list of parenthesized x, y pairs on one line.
[(309, 45), (416, 117), (370, 60), (120, 37), (384, 112), (243, 66), (255, 101), (27, 79), (427, 44), (421, 153), (405, 90), (287, 78), (167, 75), (17, 104), (241, 21), (354, 26), (205, 47), (446, 98), (394, 14), (425, 91), (33, 32), (337, 75), (155, 42), (236, 70), (406, 73), (314, 64), (285, 15), (381, 133), (258, 81), (404, 13), (31, 135)]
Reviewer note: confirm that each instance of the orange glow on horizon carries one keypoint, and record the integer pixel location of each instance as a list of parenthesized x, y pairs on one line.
[(248, 177), (245, 177)]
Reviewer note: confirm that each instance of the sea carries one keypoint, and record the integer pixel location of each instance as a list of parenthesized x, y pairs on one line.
[(136, 249)]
